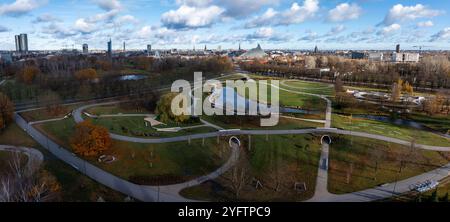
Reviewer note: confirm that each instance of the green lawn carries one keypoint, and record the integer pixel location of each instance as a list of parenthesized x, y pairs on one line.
[(151, 163), (43, 114), (356, 159), (281, 161), (114, 109), (310, 87), (233, 122), (135, 127), (387, 129), (440, 123)]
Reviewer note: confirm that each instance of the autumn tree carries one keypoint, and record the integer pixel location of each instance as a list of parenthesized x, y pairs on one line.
[(29, 73), (86, 74), (164, 109), (89, 139), (6, 111)]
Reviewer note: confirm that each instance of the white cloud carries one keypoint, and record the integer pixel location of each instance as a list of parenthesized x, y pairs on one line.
[(310, 36), (127, 19), (399, 13), (425, 24), (263, 20), (298, 14), (336, 30), (389, 29), (84, 26), (442, 35), (46, 18), (108, 5), (196, 3), (4, 29), (344, 12), (187, 17), (21, 7), (244, 8), (294, 15)]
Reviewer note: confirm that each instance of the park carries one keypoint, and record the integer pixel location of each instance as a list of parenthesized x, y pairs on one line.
[(233, 158)]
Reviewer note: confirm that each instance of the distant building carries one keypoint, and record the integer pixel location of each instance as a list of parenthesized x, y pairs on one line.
[(21, 43), (124, 46), (376, 56), (397, 48), (85, 49), (405, 57), (6, 57), (149, 48), (358, 55), (316, 50), (255, 53), (110, 47)]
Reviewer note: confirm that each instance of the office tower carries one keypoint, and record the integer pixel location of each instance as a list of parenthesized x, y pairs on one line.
[(397, 48), (18, 47), (110, 47), (85, 49), (316, 50), (24, 42), (21, 43), (149, 48), (124, 44)]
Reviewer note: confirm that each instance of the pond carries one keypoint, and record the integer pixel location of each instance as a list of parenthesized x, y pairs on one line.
[(229, 96), (132, 77)]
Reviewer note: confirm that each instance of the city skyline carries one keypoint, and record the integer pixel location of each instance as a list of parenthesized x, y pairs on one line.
[(302, 24)]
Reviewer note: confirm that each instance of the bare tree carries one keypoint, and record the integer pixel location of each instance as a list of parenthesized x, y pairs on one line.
[(238, 180)]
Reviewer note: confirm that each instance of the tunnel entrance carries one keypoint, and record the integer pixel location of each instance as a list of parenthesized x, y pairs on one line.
[(325, 139), (234, 141)]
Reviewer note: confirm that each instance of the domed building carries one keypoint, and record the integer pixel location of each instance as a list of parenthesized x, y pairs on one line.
[(256, 53)]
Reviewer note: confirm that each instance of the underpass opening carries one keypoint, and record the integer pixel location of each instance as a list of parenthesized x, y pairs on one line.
[(234, 141), (325, 139)]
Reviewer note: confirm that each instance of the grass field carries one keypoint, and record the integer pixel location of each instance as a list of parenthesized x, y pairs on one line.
[(387, 129), (310, 87), (366, 163), (277, 164), (232, 122), (151, 163), (43, 114), (135, 127), (74, 186), (114, 109)]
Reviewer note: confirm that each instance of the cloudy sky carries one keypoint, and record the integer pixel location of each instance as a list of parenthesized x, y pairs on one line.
[(297, 24)]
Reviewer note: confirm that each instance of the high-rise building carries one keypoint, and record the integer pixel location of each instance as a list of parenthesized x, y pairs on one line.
[(24, 42), (397, 48), (149, 48), (21, 43), (110, 47), (85, 48), (316, 50), (124, 46)]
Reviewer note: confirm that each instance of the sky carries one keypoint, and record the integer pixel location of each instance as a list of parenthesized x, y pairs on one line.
[(185, 24)]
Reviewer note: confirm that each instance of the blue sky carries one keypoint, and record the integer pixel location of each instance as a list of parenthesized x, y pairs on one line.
[(276, 24)]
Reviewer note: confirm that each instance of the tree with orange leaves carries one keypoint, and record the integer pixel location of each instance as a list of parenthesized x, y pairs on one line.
[(86, 74), (90, 139), (29, 73)]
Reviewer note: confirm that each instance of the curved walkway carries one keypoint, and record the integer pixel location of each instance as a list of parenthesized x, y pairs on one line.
[(34, 156)]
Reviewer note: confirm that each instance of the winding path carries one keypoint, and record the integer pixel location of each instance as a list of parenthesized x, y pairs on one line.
[(34, 155)]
